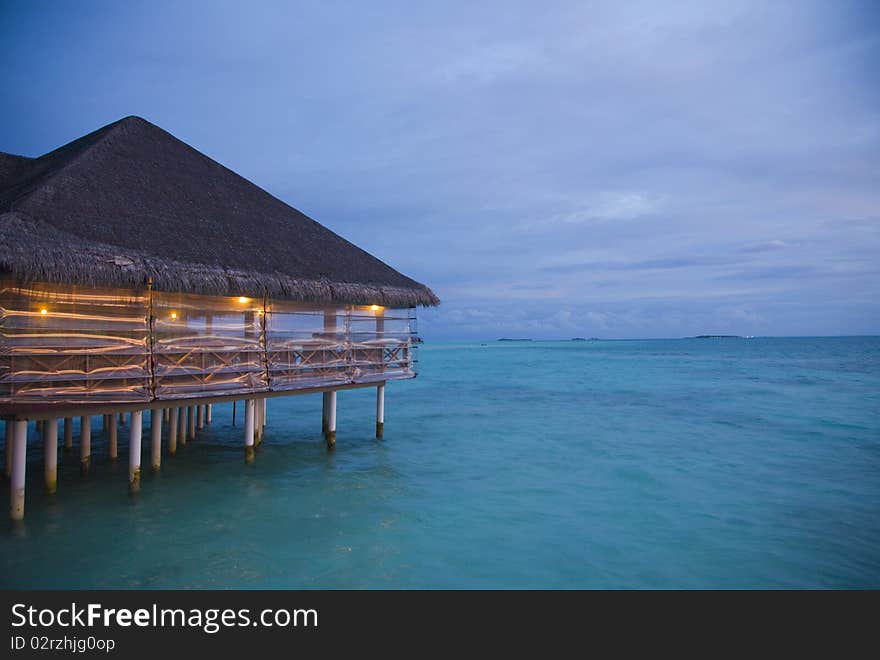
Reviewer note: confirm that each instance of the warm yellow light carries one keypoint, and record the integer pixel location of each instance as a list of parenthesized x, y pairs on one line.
[(173, 315), (375, 308), (44, 311), (242, 299)]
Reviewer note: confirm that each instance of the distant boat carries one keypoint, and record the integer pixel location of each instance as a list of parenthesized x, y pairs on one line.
[(578, 339)]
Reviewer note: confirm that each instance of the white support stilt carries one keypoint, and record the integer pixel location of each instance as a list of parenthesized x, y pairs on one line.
[(10, 429), (156, 439), (181, 426), (19, 462), (134, 452), (172, 432), (192, 422), (380, 411), (112, 439), (85, 444), (50, 455), (68, 433), (209, 409), (331, 420), (200, 417), (249, 430)]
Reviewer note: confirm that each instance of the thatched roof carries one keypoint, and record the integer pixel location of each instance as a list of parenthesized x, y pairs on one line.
[(131, 202)]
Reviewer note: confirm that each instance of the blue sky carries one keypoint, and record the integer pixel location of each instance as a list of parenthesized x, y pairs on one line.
[(553, 169)]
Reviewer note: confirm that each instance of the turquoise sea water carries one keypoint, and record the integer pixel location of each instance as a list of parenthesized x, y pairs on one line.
[(667, 463)]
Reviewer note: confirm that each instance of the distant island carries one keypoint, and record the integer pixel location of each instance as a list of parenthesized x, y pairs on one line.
[(508, 339), (718, 337), (584, 339)]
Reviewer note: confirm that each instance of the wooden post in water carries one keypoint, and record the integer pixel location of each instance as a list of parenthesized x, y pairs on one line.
[(85, 444), (50, 455), (181, 426), (68, 433), (172, 432), (233, 412), (331, 420), (249, 430), (134, 452), (10, 440), (200, 417), (209, 409), (191, 421), (329, 333), (156, 439), (380, 410), (122, 419), (17, 475), (112, 439)]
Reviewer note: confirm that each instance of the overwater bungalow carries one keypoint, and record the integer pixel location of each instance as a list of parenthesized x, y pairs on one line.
[(137, 274)]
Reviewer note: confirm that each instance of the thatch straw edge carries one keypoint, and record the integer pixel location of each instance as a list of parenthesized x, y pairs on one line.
[(34, 252)]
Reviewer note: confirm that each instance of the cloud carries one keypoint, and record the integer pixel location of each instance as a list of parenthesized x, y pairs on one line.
[(623, 169), (766, 246)]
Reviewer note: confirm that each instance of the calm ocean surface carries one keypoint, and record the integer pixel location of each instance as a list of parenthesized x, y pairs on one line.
[(666, 463)]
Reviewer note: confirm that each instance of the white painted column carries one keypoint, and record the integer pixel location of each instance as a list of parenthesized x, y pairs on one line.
[(380, 410), (112, 439), (181, 426), (329, 333), (19, 462), (68, 433), (200, 417), (192, 422), (50, 455), (10, 434), (85, 444), (249, 430), (156, 439), (209, 409), (134, 452), (172, 432), (331, 420)]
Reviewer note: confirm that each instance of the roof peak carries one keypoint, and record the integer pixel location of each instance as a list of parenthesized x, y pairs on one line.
[(133, 190)]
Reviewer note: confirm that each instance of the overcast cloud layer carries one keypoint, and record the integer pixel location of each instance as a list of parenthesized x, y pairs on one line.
[(550, 169)]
